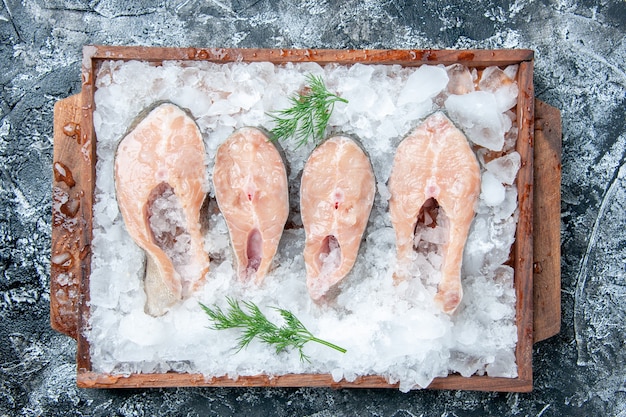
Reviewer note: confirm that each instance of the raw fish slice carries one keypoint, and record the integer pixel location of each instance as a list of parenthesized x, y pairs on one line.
[(336, 197), (250, 182), (160, 181), (435, 162)]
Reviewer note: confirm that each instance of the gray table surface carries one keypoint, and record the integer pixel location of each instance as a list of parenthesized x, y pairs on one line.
[(580, 52)]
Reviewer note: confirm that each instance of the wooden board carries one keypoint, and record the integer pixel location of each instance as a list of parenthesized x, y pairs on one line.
[(547, 222), (72, 192), (76, 153), (69, 241)]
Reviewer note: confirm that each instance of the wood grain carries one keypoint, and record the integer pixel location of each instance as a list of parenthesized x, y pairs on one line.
[(547, 222), (67, 217), (79, 157), (406, 57), (458, 382), (523, 248)]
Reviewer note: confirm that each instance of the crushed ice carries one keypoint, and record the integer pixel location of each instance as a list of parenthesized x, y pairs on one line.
[(390, 330), (167, 224)]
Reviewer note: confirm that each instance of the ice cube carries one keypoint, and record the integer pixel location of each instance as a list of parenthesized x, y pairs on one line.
[(383, 191), (505, 168), (477, 246), (191, 98), (253, 117), (245, 96), (361, 72), (498, 311), (511, 71), (142, 329), (477, 113), (504, 88), (360, 99), (503, 365), (502, 236), (460, 81), (222, 107), (385, 131), (508, 206), (100, 288), (467, 333), (492, 191), (466, 365), (384, 106), (337, 374), (424, 84)]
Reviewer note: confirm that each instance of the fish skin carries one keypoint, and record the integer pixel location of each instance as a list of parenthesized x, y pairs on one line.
[(251, 189), (336, 197), (435, 161), (164, 149)]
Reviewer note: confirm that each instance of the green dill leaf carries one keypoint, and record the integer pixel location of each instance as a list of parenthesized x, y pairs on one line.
[(254, 324), (308, 116)]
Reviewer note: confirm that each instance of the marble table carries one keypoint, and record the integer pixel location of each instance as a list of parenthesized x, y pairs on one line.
[(580, 55)]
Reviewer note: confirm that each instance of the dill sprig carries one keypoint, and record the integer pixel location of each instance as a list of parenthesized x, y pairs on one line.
[(292, 334), (308, 115)]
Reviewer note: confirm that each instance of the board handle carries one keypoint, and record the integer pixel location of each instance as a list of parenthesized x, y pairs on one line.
[(547, 222), (69, 243)]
